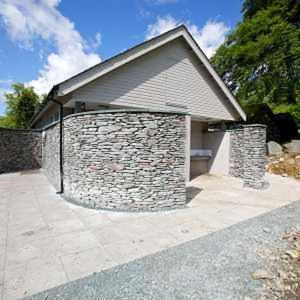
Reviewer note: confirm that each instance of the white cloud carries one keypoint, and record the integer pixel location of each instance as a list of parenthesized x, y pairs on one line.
[(97, 41), (6, 81), (2, 97), (2, 108), (27, 20), (4, 88), (209, 37), (3, 91), (162, 1), (161, 25)]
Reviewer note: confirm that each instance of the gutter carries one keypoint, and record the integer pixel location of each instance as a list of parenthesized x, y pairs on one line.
[(50, 97), (43, 104)]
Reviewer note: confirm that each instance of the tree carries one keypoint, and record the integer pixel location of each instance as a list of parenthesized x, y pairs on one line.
[(260, 59), (21, 105)]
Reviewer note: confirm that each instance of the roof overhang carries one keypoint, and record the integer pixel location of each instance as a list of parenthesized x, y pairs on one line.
[(109, 65)]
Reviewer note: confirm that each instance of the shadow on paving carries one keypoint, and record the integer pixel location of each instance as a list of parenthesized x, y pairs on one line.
[(217, 266)]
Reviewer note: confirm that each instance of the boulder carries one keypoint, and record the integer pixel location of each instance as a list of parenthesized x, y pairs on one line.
[(261, 274), (293, 146), (274, 148)]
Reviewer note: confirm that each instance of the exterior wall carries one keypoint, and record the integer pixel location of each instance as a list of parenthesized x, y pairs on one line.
[(218, 142), (197, 131), (20, 150), (247, 154), (255, 155), (169, 74), (197, 167), (125, 160), (51, 154)]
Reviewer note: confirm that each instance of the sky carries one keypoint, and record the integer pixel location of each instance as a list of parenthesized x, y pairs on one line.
[(45, 42)]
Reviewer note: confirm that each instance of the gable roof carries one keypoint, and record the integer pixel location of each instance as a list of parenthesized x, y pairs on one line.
[(111, 64)]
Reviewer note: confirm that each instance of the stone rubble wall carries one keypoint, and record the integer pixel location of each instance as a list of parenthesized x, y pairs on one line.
[(20, 149), (127, 160), (51, 154), (236, 156), (254, 155), (248, 154)]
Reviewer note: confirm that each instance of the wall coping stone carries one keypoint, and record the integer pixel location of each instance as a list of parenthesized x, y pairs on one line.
[(255, 125), (49, 126), (234, 129), (135, 110), (20, 129)]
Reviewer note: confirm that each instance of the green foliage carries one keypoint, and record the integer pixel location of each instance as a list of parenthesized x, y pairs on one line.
[(6, 122), (21, 105), (293, 109), (260, 59)]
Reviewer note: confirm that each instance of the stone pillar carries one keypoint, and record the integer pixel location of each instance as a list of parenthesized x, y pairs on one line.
[(254, 155), (236, 152)]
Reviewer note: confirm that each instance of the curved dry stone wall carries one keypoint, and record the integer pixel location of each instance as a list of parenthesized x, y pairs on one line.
[(126, 160), (248, 154), (20, 150), (51, 153)]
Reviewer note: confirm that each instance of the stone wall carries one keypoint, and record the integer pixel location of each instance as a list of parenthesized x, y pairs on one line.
[(236, 152), (51, 154), (20, 149), (254, 155), (125, 160), (248, 154)]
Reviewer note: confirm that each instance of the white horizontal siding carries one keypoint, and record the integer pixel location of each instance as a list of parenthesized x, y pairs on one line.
[(171, 74)]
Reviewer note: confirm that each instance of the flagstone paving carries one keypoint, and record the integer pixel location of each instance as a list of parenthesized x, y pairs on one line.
[(46, 241)]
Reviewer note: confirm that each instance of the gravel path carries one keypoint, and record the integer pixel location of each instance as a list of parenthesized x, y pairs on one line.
[(217, 266)]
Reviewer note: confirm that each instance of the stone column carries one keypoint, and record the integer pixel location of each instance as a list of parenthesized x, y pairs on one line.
[(254, 155), (236, 152)]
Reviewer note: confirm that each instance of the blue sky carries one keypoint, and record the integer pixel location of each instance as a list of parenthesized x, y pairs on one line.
[(44, 42)]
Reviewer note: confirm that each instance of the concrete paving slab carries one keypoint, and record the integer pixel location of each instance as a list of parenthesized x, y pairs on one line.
[(110, 234), (33, 276), (21, 254), (23, 236), (96, 220), (86, 262), (217, 266), (75, 242), (44, 226), (66, 226), (124, 251)]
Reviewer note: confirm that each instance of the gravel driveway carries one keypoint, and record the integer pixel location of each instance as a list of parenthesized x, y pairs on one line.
[(217, 266)]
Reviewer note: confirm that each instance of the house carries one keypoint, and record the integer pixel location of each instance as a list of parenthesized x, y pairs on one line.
[(168, 72), (129, 132)]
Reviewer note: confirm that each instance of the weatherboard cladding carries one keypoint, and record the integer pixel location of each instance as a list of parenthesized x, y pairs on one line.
[(169, 74)]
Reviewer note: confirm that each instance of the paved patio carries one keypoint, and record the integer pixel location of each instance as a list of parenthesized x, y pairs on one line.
[(45, 241)]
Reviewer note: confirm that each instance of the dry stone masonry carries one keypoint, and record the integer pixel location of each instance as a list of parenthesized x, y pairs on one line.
[(125, 160), (20, 150), (254, 155), (130, 160), (51, 154), (248, 154), (236, 157)]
